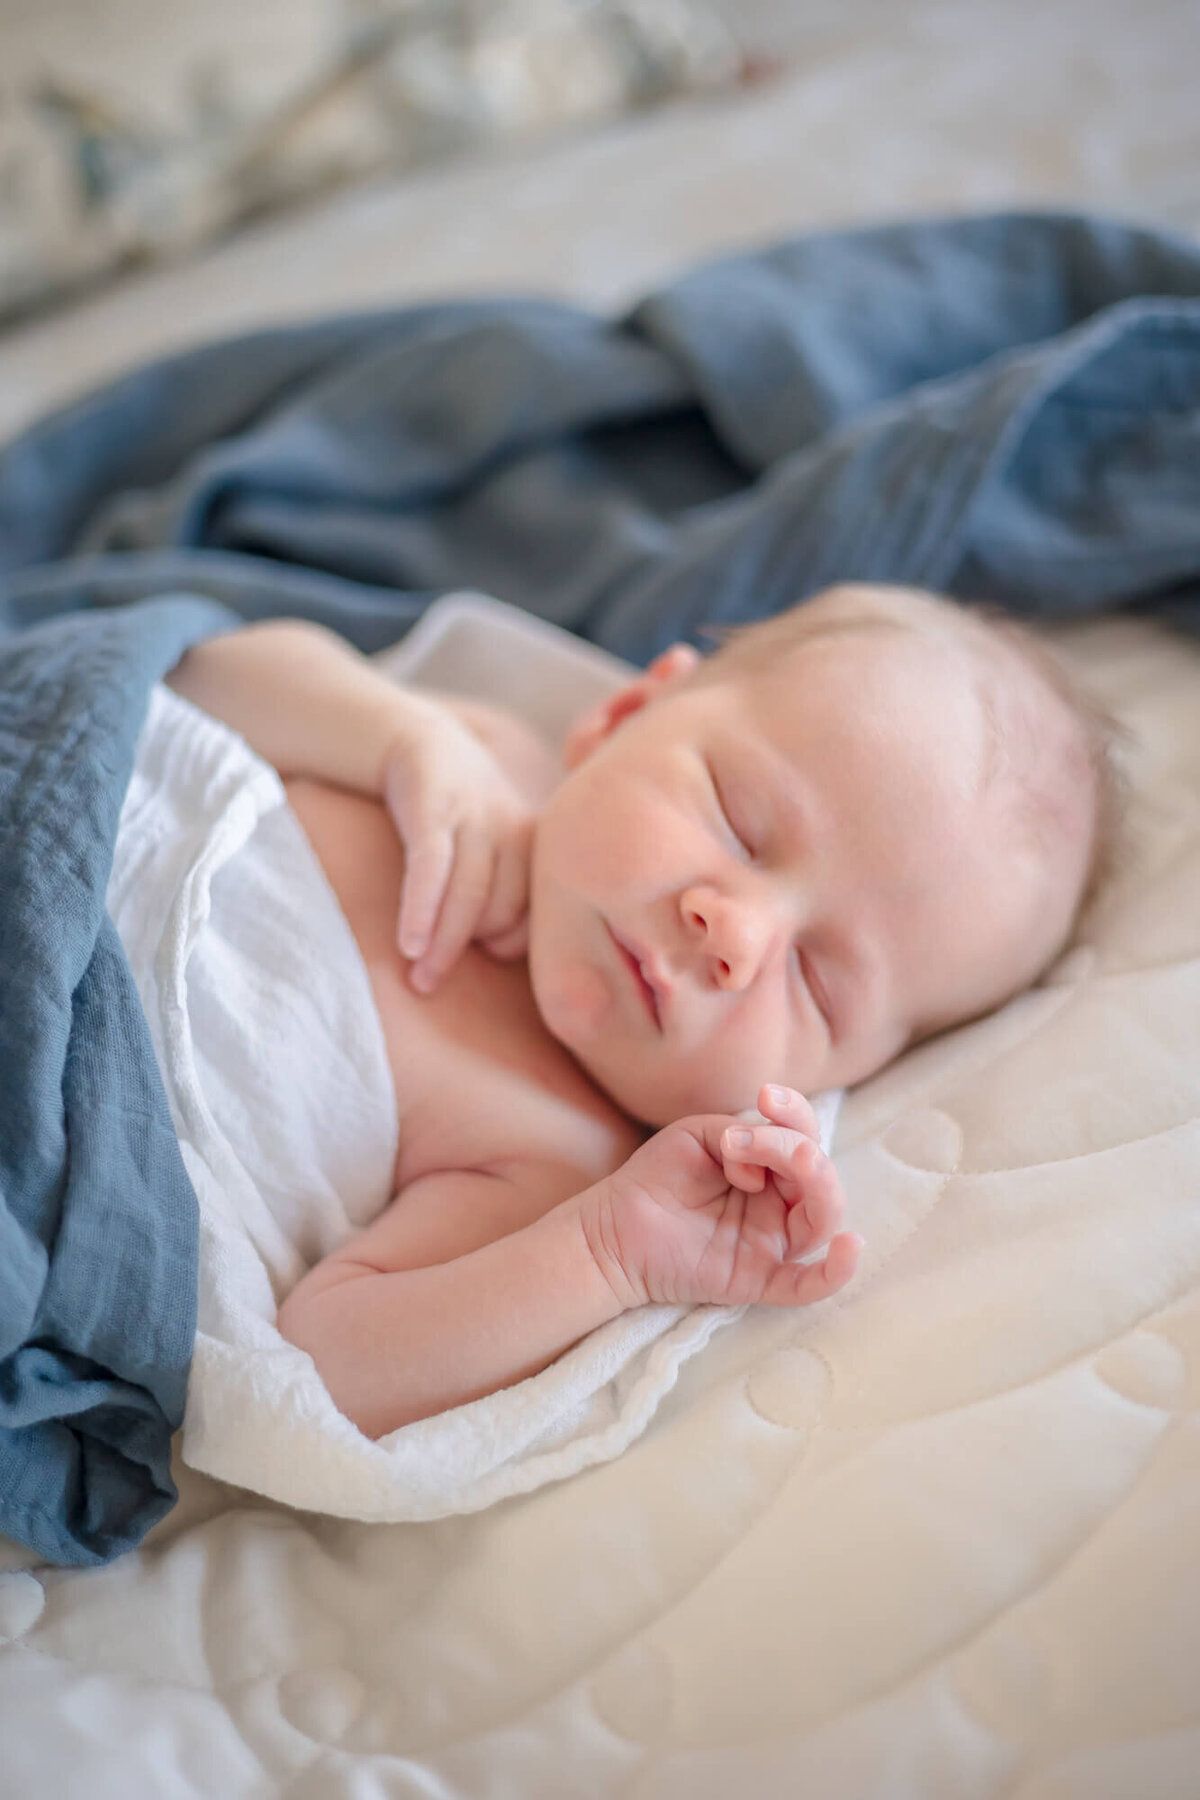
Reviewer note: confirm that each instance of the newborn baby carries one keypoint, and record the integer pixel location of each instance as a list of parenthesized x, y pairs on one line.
[(762, 873)]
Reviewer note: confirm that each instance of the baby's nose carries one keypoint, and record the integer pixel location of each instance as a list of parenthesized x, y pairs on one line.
[(728, 933)]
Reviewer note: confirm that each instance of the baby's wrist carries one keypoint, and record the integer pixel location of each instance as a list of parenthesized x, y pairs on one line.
[(599, 1228), (404, 721)]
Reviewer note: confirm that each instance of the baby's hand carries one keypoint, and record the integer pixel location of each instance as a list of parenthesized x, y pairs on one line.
[(698, 1216), (467, 833)]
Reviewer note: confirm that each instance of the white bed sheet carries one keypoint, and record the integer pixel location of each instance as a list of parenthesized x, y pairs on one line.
[(938, 1538)]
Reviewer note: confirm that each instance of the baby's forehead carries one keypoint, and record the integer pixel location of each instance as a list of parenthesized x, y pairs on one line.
[(846, 709), (956, 653), (969, 713), (869, 663)]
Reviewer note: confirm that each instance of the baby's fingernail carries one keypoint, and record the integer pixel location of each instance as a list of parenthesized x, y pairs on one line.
[(738, 1138), (779, 1096)]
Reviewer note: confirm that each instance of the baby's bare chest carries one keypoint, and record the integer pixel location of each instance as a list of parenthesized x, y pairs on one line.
[(478, 1078)]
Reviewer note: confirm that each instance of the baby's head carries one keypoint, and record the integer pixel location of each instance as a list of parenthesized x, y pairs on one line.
[(858, 823)]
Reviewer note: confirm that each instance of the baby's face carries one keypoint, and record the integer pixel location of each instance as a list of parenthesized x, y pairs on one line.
[(783, 875)]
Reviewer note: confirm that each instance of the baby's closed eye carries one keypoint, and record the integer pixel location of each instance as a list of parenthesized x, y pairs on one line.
[(814, 986), (729, 811)]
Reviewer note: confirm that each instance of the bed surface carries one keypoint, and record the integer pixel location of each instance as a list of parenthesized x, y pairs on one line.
[(938, 1537)]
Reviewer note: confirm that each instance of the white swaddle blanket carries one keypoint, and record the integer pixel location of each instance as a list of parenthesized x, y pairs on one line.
[(273, 1058)]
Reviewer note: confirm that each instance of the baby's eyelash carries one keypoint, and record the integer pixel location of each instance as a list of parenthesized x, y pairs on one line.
[(817, 992), (724, 810)]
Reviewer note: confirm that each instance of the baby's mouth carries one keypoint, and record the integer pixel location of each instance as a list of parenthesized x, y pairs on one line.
[(635, 963)]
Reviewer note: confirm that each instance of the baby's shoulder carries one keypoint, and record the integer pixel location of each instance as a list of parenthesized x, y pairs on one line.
[(523, 753)]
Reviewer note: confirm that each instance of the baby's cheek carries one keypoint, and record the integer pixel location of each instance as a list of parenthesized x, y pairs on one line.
[(585, 999), (575, 1001), (613, 845), (760, 1047)]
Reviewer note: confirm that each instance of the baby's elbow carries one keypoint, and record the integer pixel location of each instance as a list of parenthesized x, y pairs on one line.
[(315, 1321), (289, 1322), (299, 1324)]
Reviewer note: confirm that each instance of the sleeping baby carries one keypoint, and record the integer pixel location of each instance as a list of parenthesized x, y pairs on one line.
[(761, 874)]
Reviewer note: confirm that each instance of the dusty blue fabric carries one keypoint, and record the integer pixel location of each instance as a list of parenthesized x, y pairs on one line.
[(1005, 408), (98, 1221)]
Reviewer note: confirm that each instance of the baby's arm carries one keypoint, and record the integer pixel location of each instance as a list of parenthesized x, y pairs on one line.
[(461, 780), (688, 1218), (394, 1343), (311, 704), (304, 699)]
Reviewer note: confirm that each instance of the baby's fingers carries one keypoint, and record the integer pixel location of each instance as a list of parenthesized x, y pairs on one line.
[(805, 1178), (784, 1106), (503, 926), (790, 1157), (816, 1215), (465, 898), (510, 944), (801, 1284), (428, 860)]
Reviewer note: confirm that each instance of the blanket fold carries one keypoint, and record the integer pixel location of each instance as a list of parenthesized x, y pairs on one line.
[(98, 1232), (1006, 408)]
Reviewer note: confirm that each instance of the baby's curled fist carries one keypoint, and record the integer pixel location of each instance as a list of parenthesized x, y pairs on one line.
[(715, 1210)]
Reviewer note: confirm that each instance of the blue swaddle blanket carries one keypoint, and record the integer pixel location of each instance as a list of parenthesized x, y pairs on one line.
[(97, 1217), (1004, 408)]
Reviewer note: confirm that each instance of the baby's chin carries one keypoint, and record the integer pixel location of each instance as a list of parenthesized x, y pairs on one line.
[(640, 1090), (659, 1096), (635, 1099), (655, 1096)]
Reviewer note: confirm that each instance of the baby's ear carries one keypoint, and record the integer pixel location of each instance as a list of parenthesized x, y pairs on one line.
[(600, 721)]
